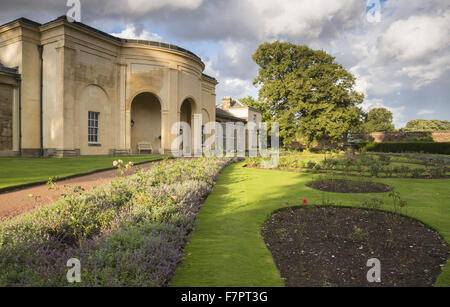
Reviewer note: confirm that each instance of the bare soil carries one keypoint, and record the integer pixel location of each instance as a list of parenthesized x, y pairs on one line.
[(349, 186), (327, 246)]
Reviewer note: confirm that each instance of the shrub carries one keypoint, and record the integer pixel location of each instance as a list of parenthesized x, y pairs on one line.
[(416, 172), (311, 164), (375, 169), (434, 148), (373, 203), (389, 171), (253, 162), (385, 158), (130, 232), (359, 167), (403, 170), (324, 150), (436, 172)]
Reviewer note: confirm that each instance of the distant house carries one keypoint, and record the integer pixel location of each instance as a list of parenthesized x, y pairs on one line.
[(223, 116), (240, 110), (236, 112)]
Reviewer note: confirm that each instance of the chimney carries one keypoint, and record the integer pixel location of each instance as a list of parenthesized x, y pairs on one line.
[(226, 103)]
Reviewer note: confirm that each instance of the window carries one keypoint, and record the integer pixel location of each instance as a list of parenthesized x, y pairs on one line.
[(254, 118), (93, 127)]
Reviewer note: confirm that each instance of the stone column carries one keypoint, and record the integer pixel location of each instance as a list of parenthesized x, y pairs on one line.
[(165, 132), (128, 130), (171, 114), (124, 123), (15, 120)]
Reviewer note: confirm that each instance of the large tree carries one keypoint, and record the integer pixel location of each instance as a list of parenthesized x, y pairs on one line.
[(427, 125), (306, 91), (379, 120)]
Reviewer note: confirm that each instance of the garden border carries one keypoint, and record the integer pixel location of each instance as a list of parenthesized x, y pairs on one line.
[(39, 183), (399, 214)]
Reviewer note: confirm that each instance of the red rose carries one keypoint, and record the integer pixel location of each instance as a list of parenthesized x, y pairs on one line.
[(305, 201)]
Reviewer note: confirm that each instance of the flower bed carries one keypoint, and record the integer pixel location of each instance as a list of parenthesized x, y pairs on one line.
[(348, 186), (130, 232), (363, 165), (327, 246)]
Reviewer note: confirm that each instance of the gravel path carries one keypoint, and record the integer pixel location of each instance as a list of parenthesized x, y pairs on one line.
[(18, 202)]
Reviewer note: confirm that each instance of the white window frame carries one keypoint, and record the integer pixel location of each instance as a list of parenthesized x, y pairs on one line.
[(93, 128)]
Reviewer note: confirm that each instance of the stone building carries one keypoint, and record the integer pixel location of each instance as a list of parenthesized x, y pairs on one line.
[(67, 89), (9, 85), (240, 110), (233, 111)]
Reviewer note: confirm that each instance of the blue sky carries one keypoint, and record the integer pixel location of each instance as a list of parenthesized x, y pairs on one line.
[(401, 62)]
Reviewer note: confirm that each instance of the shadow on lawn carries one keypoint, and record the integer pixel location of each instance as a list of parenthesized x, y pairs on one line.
[(227, 248)]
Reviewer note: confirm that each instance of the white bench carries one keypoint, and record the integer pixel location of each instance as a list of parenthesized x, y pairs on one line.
[(145, 146)]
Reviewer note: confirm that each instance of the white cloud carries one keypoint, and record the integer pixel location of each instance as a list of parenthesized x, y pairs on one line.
[(416, 38), (236, 88), (235, 60), (427, 72), (425, 112), (209, 69), (130, 33), (304, 18), (408, 52), (140, 6)]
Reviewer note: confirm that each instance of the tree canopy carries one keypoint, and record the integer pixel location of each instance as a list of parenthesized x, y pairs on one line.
[(379, 120), (306, 91), (427, 125)]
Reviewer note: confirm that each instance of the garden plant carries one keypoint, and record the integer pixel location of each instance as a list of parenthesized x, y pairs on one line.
[(130, 232)]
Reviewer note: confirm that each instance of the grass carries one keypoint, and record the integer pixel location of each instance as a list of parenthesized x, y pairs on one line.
[(227, 248), (20, 171)]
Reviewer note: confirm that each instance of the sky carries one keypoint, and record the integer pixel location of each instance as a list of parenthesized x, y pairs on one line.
[(401, 59)]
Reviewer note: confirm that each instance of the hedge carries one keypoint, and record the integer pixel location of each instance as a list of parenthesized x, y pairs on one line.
[(433, 148)]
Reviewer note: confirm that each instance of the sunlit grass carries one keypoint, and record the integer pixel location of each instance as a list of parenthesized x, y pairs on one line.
[(227, 248), (20, 171)]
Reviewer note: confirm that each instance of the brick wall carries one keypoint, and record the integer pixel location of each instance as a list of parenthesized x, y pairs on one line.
[(441, 137), (401, 136), (6, 97)]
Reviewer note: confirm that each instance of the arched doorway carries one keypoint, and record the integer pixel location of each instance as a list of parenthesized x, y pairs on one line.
[(186, 117), (186, 111), (146, 122)]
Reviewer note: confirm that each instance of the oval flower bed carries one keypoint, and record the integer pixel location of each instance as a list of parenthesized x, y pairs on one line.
[(349, 186), (327, 246), (130, 232)]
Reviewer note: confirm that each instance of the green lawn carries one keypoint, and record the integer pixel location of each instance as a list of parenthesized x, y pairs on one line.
[(19, 171), (227, 248)]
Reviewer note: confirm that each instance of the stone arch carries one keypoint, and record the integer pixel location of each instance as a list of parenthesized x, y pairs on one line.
[(206, 116), (187, 111), (146, 121), (92, 85), (137, 93), (191, 99)]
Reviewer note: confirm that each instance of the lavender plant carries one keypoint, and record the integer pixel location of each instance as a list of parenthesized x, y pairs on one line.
[(130, 232)]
